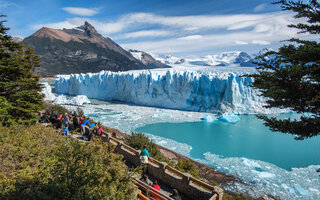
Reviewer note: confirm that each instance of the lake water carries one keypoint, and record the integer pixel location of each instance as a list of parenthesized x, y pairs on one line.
[(248, 138)]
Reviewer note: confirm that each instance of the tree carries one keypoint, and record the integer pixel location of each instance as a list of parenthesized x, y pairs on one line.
[(290, 77), (20, 96), (38, 163)]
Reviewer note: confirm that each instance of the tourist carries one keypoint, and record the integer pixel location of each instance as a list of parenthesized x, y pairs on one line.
[(59, 123), (66, 131), (75, 122), (156, 186), (145, 179), (65, 120), (175, 195), (100, 130), (53, 119), (83, 124), (86, 122), (144, 155)]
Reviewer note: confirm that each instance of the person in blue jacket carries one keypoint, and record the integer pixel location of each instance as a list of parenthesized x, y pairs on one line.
[(66, 132), (145, 155)]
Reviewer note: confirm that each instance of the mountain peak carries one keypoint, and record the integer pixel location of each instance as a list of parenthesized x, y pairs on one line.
[(88, 29)]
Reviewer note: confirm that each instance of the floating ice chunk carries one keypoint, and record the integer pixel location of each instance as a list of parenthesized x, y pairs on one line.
[(250, 163), (265, 174), (229, 117), (47, 91), (61, 99), (162, 115), (287, 188), (80, 100), (207, 118), (301, 191)]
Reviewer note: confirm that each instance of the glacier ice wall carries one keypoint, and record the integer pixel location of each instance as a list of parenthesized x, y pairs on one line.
[(193, 91)]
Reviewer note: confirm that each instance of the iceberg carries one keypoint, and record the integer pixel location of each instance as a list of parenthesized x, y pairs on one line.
[(77, 100), (207, 118), (184, 90), (80, 100), (61, 99), (229, 117), (47, 91)]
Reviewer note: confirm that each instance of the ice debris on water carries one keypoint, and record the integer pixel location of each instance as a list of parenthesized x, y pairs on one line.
[(77, 100), (80, 100), (47, 91), (229, 117), (207, 118), (301, 191)]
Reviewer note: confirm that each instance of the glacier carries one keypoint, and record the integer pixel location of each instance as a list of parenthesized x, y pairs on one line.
[(200, 91)]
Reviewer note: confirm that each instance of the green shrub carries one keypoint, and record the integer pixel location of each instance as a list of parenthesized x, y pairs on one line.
[(57, 109), (187, 166), (38, 163), (138, 140)]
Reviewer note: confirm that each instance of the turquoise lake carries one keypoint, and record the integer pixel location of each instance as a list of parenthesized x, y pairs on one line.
[(248, 138)]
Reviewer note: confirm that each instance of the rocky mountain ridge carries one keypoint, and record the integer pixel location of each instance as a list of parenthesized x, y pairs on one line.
[(81, 50)]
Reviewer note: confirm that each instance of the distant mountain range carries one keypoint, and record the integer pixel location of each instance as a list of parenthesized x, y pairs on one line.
[(81, 50), (235, 58)]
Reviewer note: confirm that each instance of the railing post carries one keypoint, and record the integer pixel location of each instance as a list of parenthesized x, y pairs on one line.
[(138, 152), (106, 137), (163, 166), (119, 145), (186, 178), (219, 191)]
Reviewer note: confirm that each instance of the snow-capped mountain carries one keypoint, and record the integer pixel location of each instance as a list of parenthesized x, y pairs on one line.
[(238, 58), (147, 59)]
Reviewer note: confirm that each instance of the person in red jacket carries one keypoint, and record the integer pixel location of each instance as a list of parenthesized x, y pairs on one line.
[(156, 186)]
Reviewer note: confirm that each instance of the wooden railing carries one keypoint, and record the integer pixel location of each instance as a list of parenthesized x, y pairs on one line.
[(185, 183), (150, 190)]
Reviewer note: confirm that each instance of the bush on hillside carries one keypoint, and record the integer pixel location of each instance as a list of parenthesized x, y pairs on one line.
[(187, 166), (138, 140), (37, 163), (58, 109)]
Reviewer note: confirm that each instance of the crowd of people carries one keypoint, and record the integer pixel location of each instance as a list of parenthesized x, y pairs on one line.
[(72, 123)]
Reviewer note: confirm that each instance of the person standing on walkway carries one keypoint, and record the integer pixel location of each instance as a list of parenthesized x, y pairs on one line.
[(144, 155)]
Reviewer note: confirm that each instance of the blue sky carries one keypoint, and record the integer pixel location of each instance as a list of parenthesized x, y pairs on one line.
[(177, 27)]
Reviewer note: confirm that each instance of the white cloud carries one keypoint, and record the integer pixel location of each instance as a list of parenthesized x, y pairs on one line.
[(207, 43), (4, 5), (241, 42), (260, 42), (190, 37), (260, 7), (81, 11), (146, 33)]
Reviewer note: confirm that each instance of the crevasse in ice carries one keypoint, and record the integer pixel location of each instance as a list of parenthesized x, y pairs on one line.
[(201, 92)]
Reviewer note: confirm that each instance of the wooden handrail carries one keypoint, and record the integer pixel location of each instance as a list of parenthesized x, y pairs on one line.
[(129, 148), (154, 161), (214, 197), (142, 196), (153, 192), (175, 171), (201, 183)]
